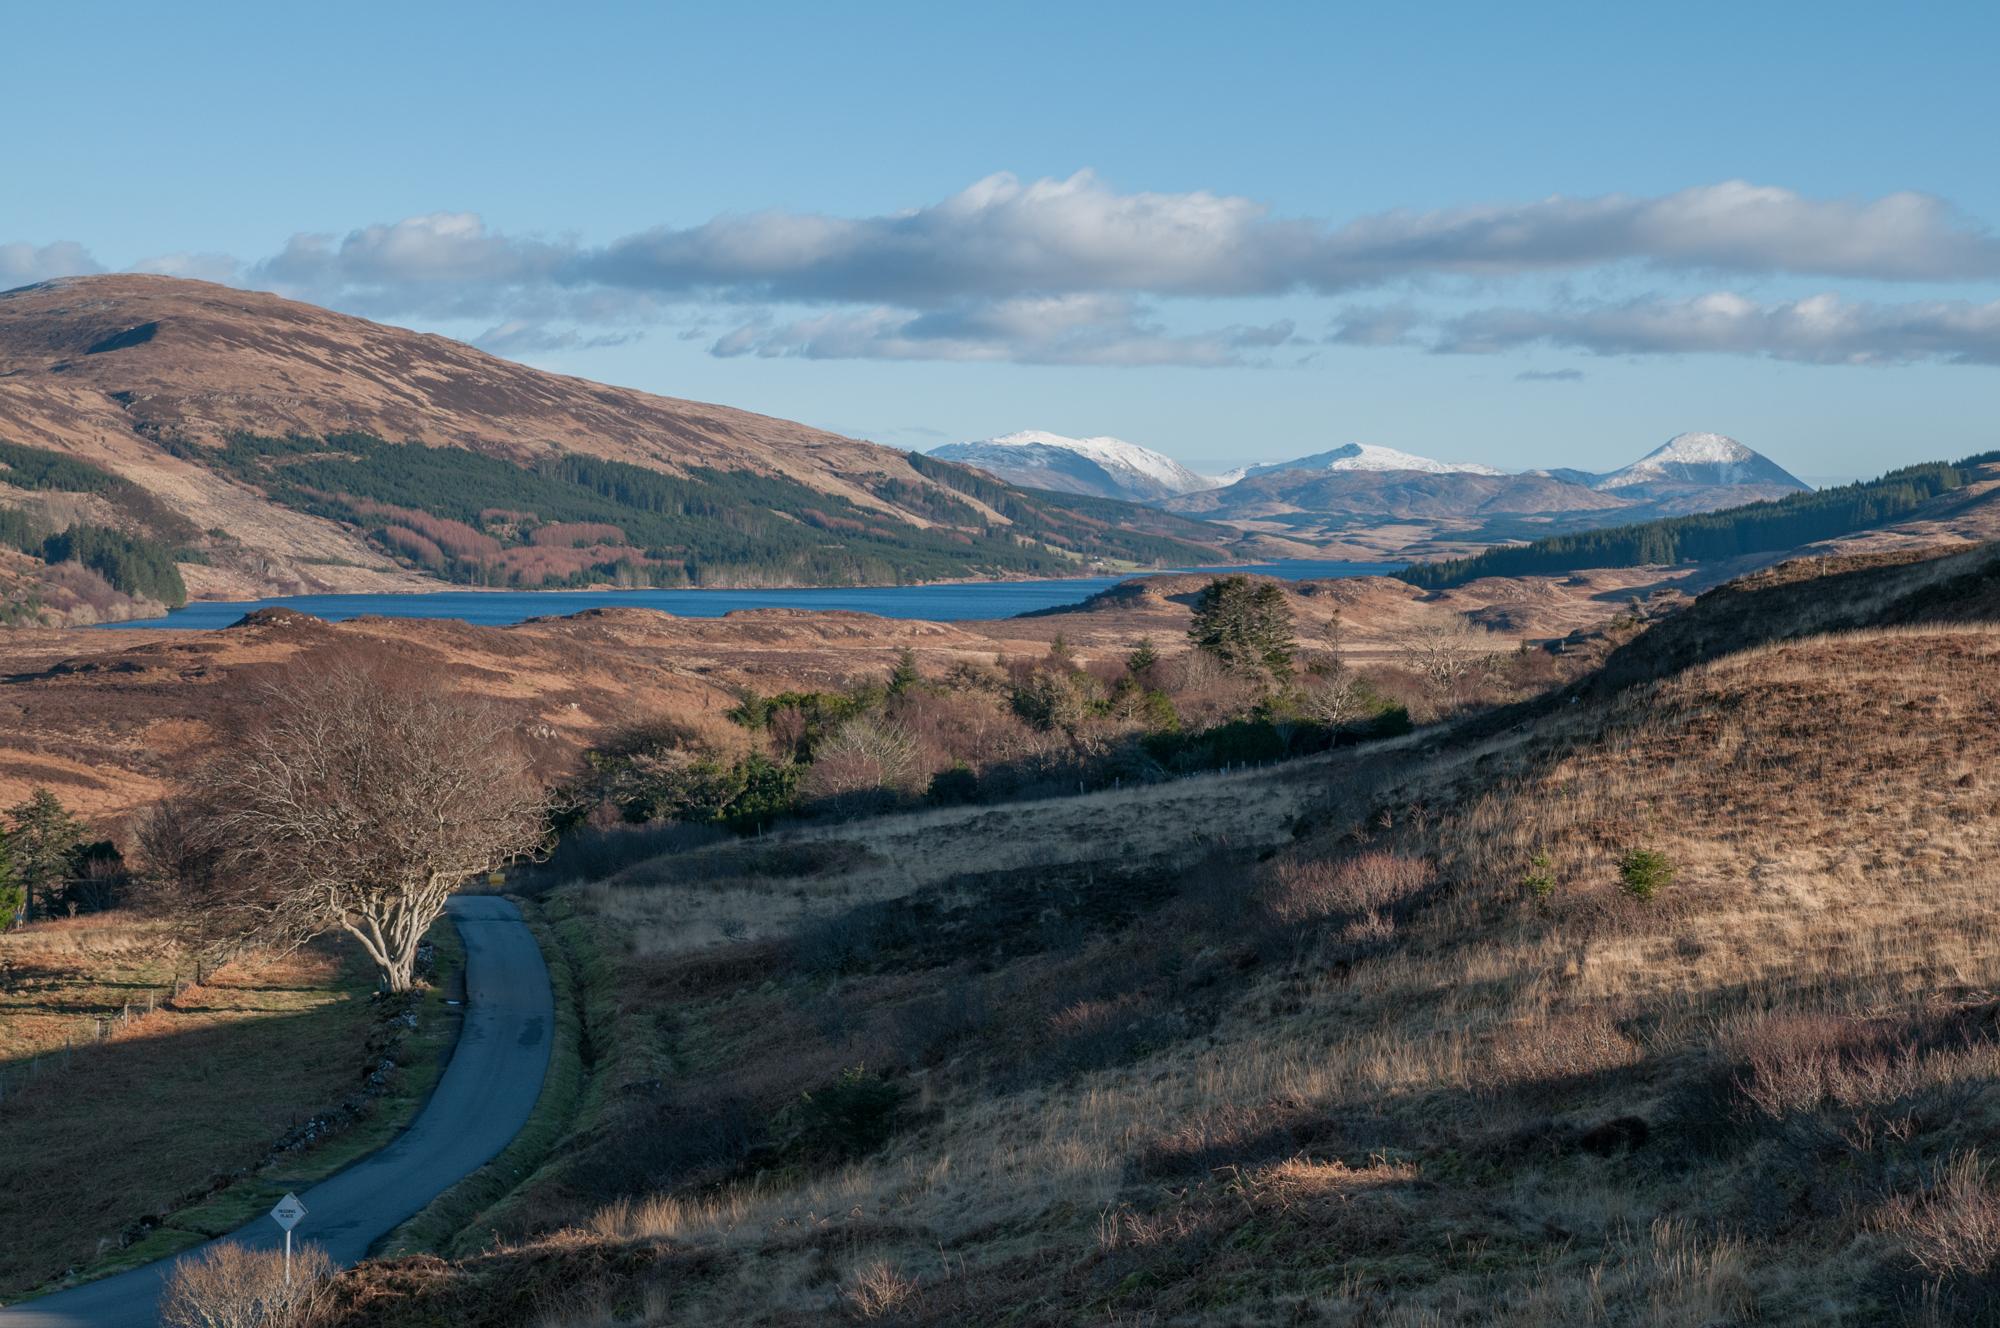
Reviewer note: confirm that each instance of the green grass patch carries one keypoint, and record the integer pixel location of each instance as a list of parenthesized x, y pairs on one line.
[(198, 1109)]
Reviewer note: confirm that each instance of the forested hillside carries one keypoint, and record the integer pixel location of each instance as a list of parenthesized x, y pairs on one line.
[(576, 519), (1755, 528), (123, 534)]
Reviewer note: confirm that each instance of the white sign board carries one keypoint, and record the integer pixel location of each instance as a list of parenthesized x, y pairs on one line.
[(288, 1212)]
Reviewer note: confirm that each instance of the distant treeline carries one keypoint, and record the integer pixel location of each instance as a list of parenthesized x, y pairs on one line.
[(472, 518), (1756, 528), (139, 564)]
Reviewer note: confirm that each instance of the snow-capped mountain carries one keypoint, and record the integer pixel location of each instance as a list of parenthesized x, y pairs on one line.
[(1352, 487), (1229, 477), (1367, 456), (1102, 467), (1708, 460)]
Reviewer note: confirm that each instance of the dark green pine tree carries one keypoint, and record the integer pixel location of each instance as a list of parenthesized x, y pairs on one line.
[(1139, 664), (13, 898), (44, 840), (1245, 624), (904, 676)]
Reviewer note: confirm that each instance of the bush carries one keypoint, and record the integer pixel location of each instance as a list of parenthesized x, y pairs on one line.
[(954, 786), (852, 1116), (228, 1286), (1540, 879), (864, 763), (1953, 1229), (1644, 872)]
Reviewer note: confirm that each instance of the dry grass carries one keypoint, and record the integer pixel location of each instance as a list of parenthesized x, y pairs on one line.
[(1721, 1105), (760, 889)]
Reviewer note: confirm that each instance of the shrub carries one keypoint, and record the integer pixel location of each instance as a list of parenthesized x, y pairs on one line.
[(953, 786), (852, 1116), (1539, 880), (878, 1291), (228, 1286), (865, 760), (1644, 872)]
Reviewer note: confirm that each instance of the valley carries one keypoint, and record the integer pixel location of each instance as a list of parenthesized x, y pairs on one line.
[(1050, 936), (1008, 666), (1389, 1035)]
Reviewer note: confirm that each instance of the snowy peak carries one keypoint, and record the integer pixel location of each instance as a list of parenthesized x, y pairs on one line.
[(1102, 466), (1112, 452), (1367, 456), (1707, 459)]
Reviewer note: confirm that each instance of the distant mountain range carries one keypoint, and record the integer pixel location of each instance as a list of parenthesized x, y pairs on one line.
[(1362, 485)]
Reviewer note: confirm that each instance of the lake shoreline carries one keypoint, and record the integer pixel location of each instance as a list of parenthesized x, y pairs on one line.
[(938, 601)]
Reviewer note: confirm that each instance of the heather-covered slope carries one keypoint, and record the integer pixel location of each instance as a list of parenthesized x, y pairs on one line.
[(299, 449), (1454, 1057)]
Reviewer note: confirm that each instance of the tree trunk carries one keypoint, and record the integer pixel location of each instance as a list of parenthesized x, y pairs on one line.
[(399, 976)]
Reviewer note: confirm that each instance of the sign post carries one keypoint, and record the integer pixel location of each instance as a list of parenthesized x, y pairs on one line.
[(287, 1215)]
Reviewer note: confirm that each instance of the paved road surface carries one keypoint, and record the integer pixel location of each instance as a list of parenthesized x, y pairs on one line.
[(481, 1102)]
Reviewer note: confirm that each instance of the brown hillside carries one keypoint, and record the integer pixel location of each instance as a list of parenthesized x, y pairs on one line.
[(109, 720), (167, 358), (149, 377), (1430, 1066)]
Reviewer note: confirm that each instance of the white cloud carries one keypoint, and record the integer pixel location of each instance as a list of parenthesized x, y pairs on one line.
[(1001, 237), (1069, 329), (1074, 271), (1820, 329), (521, 336), (25, 264)]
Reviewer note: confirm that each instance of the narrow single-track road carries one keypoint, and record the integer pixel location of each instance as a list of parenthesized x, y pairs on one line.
[(482, 1100)]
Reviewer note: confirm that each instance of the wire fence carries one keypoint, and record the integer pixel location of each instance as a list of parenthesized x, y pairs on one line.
[(91, 1030)]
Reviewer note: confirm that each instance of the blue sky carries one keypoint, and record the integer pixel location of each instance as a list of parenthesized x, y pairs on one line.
[(1524, 235)]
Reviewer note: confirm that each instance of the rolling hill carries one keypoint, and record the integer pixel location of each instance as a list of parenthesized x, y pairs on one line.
[(1670, 1004), (268, 446)]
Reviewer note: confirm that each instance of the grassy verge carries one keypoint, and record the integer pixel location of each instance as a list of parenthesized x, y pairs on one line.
[(457, 1221), (161, 1136)]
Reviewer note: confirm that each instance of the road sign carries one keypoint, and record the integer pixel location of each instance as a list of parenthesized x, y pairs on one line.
[(288, 1212), (287, 1215)]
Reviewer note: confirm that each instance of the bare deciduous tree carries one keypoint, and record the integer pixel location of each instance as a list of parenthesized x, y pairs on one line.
[(1333, 697), (1442, 652), (358, 804), (864, 758)]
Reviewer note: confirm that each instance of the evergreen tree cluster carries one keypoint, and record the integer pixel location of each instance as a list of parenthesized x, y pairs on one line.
[(45, 858), (1245, 624), (1756, 528), (138, 562), (131, 563)]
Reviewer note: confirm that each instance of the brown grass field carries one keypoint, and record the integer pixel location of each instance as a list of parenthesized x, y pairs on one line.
[(1385, 1041), (162, 1134)]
